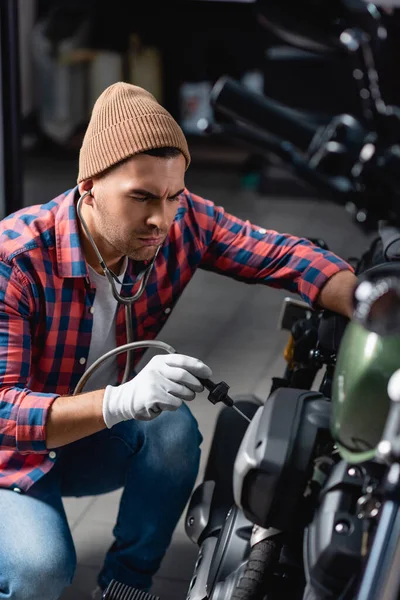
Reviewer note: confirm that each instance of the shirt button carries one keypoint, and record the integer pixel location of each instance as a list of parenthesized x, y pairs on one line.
[(167, 311), (16, 489), (52, 454), (262, 231), (91, 309), (82, 360)]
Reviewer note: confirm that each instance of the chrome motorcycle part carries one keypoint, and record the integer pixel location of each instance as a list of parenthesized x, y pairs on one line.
[(260, 533)]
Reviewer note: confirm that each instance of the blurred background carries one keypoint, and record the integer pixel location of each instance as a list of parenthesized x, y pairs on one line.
[(57, 56), (68, 51)]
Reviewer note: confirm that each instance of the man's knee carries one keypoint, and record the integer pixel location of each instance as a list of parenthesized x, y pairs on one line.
[(174, 451), (172, 442), (168, 445), (41, 574), (181, 431)]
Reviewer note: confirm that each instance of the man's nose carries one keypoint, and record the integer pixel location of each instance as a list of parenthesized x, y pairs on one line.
[(157, 217)]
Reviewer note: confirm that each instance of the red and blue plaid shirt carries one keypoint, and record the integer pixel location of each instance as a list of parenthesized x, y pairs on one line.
[(46, 299)]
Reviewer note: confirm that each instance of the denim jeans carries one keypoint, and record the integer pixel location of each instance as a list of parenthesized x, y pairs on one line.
[(156, 462)]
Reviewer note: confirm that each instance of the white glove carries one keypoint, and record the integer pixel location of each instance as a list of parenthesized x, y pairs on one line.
[(161, 385)]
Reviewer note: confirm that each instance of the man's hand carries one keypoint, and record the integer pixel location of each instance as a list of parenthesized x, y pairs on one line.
[(162, 384), (337, 293)]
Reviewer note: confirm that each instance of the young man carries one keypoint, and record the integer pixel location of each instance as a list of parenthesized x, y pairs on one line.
[(59, 314)]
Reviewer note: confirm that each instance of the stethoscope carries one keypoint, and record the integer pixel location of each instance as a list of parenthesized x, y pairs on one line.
[(131, 346), (127, 301)]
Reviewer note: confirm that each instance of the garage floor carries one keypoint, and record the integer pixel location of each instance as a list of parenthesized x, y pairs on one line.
[(231, 326)]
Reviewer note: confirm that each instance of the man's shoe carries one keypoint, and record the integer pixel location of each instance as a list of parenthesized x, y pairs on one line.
[(121, 591)]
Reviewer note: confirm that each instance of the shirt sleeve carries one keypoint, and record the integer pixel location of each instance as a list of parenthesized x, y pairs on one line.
[(23, 413), (252, 254)]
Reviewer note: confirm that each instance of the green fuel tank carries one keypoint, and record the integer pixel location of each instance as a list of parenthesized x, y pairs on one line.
[(369, 355)]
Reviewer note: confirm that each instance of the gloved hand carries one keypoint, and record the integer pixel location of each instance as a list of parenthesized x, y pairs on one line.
[(161, 385)]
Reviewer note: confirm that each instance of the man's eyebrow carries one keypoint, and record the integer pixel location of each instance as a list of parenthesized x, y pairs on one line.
[(143, 192)]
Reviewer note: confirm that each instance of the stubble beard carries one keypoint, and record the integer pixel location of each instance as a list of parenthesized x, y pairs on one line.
[(132, 248)]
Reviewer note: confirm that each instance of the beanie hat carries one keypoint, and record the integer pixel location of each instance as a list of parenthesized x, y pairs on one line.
[(126, 120)]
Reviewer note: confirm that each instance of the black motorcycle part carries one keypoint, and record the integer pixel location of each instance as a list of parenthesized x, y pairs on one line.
[(301, 377), (275, 459), (381, 578), (279, 382), (212, 500), (260, 566), (198, 513), (220, 560), (315, 26), (332, 542), (302, 373), (234, 100), (198, 584), (372, 257), (390, 236), (331, 329), (311, 594), (121, 591), (382, 255), (233, 546), (376, 272), (292, 311)]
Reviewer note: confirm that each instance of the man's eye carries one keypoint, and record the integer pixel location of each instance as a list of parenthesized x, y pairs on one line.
[(145, 198)]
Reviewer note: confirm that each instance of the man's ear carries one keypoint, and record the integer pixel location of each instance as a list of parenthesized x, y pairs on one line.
[(85, 186)]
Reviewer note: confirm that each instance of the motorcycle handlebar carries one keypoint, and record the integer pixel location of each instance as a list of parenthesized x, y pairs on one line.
[(339, 190), (238, 102)]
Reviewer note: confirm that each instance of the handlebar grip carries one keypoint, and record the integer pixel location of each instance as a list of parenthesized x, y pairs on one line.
[(235, 100)]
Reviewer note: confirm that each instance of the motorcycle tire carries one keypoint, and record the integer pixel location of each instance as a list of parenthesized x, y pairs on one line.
[(260, 566)]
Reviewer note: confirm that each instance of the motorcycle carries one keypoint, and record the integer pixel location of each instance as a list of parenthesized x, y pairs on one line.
[(278, 515)]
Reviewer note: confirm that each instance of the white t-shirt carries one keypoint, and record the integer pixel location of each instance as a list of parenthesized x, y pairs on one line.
[(104, 331)]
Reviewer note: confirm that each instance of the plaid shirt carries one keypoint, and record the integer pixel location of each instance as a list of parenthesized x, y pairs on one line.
[(46, 299)]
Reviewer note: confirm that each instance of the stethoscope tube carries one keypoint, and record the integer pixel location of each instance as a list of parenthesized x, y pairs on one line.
[(143, 277), (132, 346), (127, 301)]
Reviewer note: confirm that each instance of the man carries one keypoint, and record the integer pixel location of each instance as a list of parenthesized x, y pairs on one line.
[(58, 315)]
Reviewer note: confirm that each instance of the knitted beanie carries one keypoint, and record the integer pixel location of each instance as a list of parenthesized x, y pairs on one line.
[(126, 120)]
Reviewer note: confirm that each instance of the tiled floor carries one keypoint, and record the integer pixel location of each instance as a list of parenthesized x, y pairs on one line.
[(229, 325)]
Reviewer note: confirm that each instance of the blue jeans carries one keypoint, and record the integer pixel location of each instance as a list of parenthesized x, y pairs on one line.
[(156, 462)]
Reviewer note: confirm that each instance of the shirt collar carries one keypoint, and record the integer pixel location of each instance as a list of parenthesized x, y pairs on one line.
[(70, 258)]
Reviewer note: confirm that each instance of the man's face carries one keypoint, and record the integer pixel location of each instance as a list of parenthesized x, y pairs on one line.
[(135, 204)]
